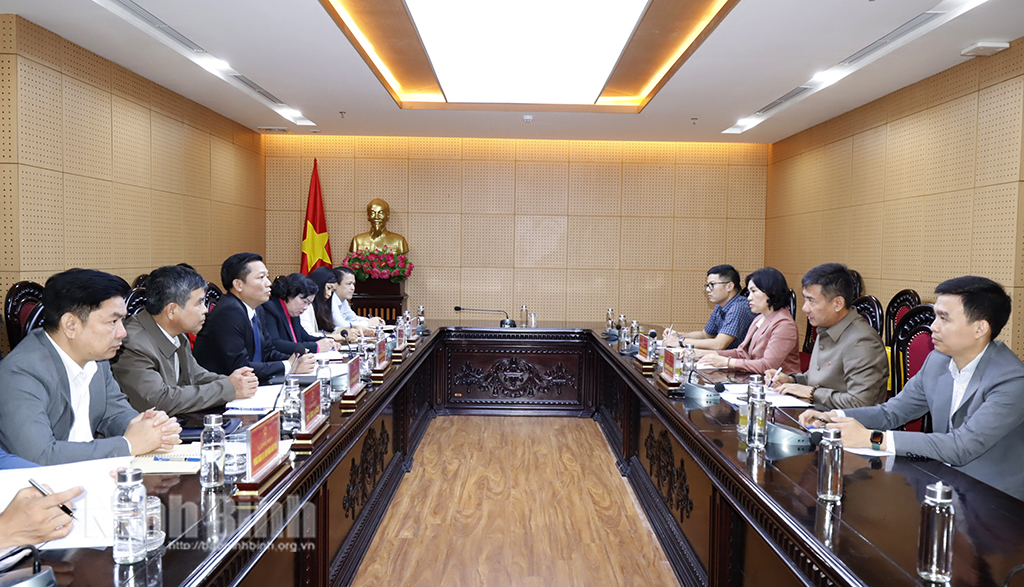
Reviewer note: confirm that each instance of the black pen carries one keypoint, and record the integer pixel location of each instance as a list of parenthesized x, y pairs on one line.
[(45, 492)]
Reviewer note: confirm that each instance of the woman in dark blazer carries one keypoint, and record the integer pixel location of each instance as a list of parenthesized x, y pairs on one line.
[(289, 297)]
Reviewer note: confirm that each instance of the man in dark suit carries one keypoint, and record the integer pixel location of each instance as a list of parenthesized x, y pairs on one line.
[(234, 336), (971, 384), (155, 367), (60, 401)]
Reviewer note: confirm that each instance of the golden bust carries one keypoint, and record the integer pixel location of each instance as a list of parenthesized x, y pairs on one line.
[(377, 212)]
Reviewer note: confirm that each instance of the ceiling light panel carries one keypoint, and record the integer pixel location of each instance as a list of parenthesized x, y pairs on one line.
[(528, 52)]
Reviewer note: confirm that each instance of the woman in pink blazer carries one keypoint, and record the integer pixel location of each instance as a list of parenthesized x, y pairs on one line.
[(771, 339)]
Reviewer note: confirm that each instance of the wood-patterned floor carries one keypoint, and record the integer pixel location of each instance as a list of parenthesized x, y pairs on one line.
[(505, 501)]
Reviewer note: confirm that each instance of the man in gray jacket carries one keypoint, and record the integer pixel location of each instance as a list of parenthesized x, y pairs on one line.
[(155, 367), (971, 384)]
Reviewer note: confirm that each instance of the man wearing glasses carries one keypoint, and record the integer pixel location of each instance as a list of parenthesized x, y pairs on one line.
[(730, 318)]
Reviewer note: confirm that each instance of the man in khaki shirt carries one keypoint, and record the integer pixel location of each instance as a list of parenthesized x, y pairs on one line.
[(849, 367)]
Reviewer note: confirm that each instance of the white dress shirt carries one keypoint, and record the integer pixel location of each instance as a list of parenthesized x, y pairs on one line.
[(343, 315), (307, 319), (78, 380)]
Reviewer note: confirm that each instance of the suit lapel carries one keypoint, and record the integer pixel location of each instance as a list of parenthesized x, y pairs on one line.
[(973, 385), (66, 418), (941, 399)]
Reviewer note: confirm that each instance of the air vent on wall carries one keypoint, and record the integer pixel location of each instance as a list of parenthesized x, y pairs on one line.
[(900, 31), (789, 96), (267, 130)]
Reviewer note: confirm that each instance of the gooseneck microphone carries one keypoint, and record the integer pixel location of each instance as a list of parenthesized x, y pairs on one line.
[(506, 323)]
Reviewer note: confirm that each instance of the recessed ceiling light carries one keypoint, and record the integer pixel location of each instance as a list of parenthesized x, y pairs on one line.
[(984, 49)]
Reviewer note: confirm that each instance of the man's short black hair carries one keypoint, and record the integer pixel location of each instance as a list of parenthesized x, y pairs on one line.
[(293, 285), (773, 283), (79, 291), (727, 272), (236, 267), (341, 270), (835, 280), (173, 283), (983, 299)]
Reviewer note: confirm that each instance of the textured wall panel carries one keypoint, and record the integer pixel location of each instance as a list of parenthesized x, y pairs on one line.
[(1002, 66), (131, 236), (836, 170), (836, 247), (590, 292), (489, 149), (649, 153), (132, 155), (703, 190), (595, 151), (636, 249), (286, 145), (909, 100), (946, 246), (382, 147), (88, 222), (868, 177), (284, 239), (952, 141), (199, 117), (222, 127), (747, 187), (595, 188), (197, 231), (902, 236), (284, 184), (246, 138), (488, 187), (41, 222), (321, 146), (488, 240), (703, 154), (86, 66), (1000, 120), (644, 296), (540, 241), (868, 116), (864, 225), (337, 180), (130, 85), (339, 227), (196, 163), (87, 130), (953, 83), (542, 292), (222, 171), (744, 247), (748, 154), (8, 36), (435, 148), (593, 242), (39, 44), (10, 254), (648, 190), (167, 103), (435, 186), (437, 290), (8, 122), (994, 233), (538, 150), (906, 163), (168, 153), (486, 288), (697, 244), (168, 244), (690, 300), (542, 188), (435, 239), (386, 179), (40, 116)]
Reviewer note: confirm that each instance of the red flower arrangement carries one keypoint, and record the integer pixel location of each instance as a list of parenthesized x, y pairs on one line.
[(379, 264)]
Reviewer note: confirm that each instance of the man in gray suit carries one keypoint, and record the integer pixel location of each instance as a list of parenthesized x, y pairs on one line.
[(972, 385), (155, 367), (60, 402)]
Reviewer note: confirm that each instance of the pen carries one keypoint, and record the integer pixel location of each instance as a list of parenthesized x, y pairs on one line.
[(45, 492), (177, 459)]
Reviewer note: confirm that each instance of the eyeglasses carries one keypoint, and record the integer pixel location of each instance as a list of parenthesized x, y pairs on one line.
[(711, 284)]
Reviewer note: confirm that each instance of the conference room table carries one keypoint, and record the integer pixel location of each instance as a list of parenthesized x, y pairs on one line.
[(725, 514)]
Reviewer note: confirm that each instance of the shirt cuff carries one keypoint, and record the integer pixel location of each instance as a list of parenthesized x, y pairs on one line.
[(126, 441), (287, 369), (890, 442)]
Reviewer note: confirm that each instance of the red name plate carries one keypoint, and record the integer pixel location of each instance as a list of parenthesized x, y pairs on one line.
[(644, 345), (264, 437), (382, 352), (669, 371), (353, 372), (310, 404)]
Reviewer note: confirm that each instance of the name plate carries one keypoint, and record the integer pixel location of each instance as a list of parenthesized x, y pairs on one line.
[(383, 354), (673, 370), (310, 405), (264, 437), (644, 346), (353, 373)]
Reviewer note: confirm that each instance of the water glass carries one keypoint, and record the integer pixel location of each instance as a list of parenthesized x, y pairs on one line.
[(236, 453), (154, 523)]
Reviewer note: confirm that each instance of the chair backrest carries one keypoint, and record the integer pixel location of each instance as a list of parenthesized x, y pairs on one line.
[(213, 295), (810, 335), (140, 281), (871, 309), (911, 343), (33, 321), (136, 300), (21, 300), (898, 306), (858, 283), (792, 304)]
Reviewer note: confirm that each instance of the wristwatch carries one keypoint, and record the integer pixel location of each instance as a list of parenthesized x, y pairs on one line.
[(877, 436)]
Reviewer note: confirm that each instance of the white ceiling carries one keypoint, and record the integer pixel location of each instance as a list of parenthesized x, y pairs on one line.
[(763, 49)]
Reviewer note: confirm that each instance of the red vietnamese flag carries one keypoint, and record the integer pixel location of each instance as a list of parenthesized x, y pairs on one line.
[(316, 248)]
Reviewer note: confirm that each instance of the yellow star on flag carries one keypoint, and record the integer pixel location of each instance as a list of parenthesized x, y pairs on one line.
[(313, 246)]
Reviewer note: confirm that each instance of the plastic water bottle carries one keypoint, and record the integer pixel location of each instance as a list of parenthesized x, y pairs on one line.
[(757, 419), (830, 465), (129, 505), (689, 358), (935, 541), (291, 411), (211, 452), (323, 375)]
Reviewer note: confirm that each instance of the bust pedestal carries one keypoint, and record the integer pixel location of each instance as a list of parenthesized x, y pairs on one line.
[(379, 297)]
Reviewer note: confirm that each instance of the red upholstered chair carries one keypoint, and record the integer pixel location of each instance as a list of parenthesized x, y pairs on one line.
[(912, 341), (21, 300), (792, 304), (213, 294), (871, 309), (898, 306), (136, 300)]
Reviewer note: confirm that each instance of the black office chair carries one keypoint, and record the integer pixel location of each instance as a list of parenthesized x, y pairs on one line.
[(871, 309), (898, 306), (136, 301)]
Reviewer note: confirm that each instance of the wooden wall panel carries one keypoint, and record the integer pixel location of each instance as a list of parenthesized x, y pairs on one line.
[(595, 151), (589, 292), (488, 187), (10, 253), (539, 150), (701, 189), (40, 116), (542, 188), (708, 154), (543, 292), (593, 242), (8, 112), (1000, 124), (595, 188), (437, 238), (435, 148)]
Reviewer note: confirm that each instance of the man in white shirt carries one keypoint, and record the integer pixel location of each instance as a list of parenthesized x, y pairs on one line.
[(971, 384), (61, 403), (342, 313)]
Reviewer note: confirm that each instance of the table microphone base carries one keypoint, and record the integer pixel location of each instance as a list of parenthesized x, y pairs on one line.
[(508, 323)]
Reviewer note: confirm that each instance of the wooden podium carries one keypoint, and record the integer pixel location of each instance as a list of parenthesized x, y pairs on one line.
[(379, 297)]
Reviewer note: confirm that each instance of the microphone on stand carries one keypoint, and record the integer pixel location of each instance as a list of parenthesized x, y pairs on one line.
[(506, 323)]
